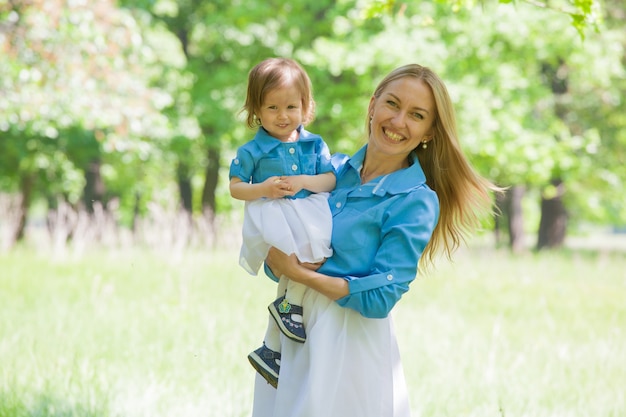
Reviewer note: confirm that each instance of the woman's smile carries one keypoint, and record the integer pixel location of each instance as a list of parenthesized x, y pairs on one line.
[(392, 136)]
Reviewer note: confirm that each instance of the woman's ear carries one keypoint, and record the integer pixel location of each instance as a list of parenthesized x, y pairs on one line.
[(429, 135), (370, 108)]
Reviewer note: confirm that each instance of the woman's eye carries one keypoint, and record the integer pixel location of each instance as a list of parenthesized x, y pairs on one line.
[(391, 103), (418, 116)]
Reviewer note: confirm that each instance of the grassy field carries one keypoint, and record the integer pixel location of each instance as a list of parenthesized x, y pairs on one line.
[(136, 334)]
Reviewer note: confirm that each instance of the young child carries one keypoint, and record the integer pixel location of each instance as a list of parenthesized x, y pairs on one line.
[(284, 175)]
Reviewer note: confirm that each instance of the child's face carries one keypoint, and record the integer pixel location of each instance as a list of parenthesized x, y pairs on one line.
[(281, 112)]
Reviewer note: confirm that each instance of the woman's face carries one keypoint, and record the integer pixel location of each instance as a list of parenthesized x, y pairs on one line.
[(402, 117)]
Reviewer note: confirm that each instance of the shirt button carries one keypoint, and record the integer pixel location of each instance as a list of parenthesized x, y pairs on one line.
[(292, 151), (389, 277), (294, 167), (338, 205), (236, 161)]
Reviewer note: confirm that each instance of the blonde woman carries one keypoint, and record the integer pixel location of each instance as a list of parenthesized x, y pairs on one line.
[(407, 194)]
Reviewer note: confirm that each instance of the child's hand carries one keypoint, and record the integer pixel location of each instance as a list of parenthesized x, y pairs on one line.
[(276, 187), (294, 183)]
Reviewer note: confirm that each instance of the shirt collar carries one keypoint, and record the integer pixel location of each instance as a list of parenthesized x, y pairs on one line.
[(267, 142), (396, 182)]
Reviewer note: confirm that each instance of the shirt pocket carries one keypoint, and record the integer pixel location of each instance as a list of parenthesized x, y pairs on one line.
[(268, 167), (308, 164)]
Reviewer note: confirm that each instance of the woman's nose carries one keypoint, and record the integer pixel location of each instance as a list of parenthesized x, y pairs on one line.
[(399, 119)]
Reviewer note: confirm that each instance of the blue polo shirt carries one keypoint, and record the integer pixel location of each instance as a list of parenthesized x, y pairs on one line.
[(380, 230), (265, 156)]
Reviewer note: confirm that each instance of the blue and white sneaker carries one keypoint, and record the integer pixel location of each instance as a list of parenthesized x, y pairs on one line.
[(282, 311), (267, 363)]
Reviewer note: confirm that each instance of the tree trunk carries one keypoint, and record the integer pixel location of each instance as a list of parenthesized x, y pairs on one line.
[(136, 212), (553, 223), (515, 217), (27, 182), (94, 190), (184, 187), (210, 183), (500, 214)]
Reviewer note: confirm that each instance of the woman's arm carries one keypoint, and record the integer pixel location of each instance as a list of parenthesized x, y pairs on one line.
[(282, 264), (405, 229)]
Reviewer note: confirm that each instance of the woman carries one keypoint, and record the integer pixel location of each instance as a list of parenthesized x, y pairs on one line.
[(408, 193)]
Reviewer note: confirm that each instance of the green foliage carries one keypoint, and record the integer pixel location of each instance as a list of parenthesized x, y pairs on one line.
[(76, 80), (497, 62), (583, 14), (152, 84)]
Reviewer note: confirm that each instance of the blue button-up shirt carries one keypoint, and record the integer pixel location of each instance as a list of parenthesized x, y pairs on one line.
[(380, 230), (265, 156)]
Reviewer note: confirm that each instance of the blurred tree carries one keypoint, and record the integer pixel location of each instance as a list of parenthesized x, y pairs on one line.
[(584, 15), (72, 87), (494, 61), (151, 92), (221, 41)]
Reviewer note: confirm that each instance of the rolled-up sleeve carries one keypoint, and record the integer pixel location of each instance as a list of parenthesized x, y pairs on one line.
[(407, 226), (242, 166), (324, 163)]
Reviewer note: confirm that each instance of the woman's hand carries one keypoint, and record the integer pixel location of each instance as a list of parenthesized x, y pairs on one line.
[(313, 266), (288, 266), (282, 264)]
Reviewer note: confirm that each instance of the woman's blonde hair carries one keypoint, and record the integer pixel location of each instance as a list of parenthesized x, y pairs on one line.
[(273, 73), (464, 196)]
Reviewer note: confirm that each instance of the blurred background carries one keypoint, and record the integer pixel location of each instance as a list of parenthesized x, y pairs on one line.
[(120, 290), (118, 119)]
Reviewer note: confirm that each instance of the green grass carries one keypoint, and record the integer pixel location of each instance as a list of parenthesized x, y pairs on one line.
[(148, 334)]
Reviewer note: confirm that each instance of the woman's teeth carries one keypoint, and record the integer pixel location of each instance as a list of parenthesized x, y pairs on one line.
[(393, 136)]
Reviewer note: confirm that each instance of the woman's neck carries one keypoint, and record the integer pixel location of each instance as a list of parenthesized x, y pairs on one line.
[(374, 166)]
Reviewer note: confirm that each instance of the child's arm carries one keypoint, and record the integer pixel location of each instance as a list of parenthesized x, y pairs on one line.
[(272, 187), (314, 183)]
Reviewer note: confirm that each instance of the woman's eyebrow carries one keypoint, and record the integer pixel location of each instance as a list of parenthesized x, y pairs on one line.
[(415, 107)]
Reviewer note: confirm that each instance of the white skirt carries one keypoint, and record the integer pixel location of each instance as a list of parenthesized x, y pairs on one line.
[(349, 366), (302, 226)]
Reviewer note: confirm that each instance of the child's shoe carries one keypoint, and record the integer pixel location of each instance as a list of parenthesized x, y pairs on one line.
[(281, 311), (267, 363)]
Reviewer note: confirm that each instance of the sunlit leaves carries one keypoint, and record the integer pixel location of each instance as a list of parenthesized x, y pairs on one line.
[(583, 14), (75, 86)]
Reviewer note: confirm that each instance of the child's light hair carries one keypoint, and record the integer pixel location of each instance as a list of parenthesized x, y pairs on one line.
[(274, 73)]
